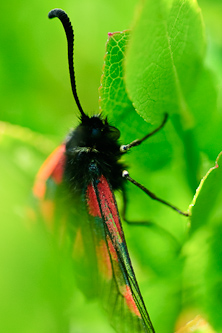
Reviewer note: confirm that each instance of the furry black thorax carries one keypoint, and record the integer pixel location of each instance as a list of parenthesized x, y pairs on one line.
[(92, 149)]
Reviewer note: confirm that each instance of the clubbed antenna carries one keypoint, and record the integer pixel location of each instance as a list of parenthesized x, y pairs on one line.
[(70, 41)]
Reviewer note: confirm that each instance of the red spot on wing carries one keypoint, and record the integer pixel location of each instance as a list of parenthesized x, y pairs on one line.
[(101, 203), (57, 174), (108, 206), (53, 166), (123, 287), (92, 201), (130, 301), (103, 257)]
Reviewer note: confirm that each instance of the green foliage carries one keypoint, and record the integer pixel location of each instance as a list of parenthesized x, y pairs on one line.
[(162, 64), (165, 56), (203, 263), (202, 207), (113, 95)]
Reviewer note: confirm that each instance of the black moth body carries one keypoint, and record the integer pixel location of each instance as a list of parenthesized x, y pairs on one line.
[(92, 149)]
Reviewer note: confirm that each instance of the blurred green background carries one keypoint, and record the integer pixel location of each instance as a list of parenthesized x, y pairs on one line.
[(37, 286)]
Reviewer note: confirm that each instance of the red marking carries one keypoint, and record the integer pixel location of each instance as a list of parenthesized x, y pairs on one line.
[(110, 34), (103, 258), (92, 201), (130, 301), (53, 166), (57, 173), (106, 202), (125, 289), (112, 249), (216, 166), (108, 206)]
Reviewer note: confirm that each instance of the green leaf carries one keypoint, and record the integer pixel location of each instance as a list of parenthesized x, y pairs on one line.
[(213, 276), (113, 96), (202, 101), (115, 103), (203, 266), (164, 57), (165, 73), (202, 206)]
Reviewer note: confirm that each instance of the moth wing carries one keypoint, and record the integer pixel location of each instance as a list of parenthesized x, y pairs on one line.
[(65, 217), (118, 286), (101, 260), (46, 185)]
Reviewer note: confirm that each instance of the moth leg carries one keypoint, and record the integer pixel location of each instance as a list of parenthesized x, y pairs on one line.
[(150, 224), (137, 142), (126, 175), (123, 214)]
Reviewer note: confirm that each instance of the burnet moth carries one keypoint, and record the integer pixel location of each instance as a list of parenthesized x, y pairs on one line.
[(82, 174)]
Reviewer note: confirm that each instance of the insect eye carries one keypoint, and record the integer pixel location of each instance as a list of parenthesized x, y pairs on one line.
[(96, 132)]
